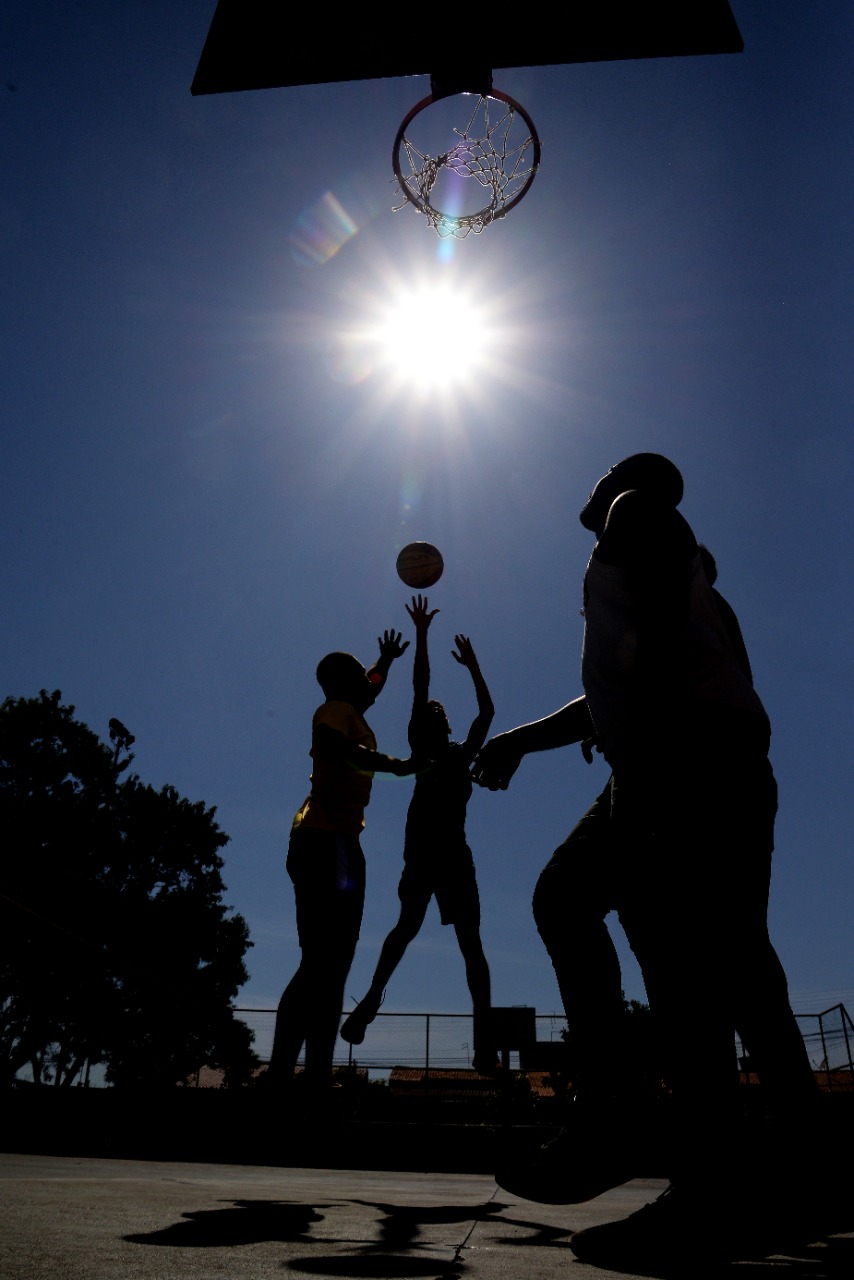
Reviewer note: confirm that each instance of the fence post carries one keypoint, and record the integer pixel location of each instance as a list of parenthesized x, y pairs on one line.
[(825, 1059), (427, 1048), (845, 1023)]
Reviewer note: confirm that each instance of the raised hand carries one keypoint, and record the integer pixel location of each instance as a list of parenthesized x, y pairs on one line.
[(421, 613), (390, 646), (464, 654)]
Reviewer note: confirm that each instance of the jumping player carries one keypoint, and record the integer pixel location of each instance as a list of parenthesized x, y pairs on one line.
[(437, 860)]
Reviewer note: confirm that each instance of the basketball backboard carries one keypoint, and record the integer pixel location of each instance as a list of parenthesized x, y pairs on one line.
[(267, 44)]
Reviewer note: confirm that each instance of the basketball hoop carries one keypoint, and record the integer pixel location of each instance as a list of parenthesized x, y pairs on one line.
[(499, 148)]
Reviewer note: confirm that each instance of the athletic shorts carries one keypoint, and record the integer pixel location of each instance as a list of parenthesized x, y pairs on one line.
[(700, 834), (328, 874), (447, 877)]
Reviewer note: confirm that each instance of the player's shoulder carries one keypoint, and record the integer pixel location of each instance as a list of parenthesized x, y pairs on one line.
[(336, 713)]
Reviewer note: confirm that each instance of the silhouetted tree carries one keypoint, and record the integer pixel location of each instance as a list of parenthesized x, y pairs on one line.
[(115, 945)]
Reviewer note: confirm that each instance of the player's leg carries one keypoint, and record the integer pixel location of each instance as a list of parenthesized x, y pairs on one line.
[(793, 1144), (413, 908), (768, 1027), (329, 972), (696, 919), (606, 1131), (674, 904), (455, 885), (289, 1035), (291, 1015), (695, 915), (760, 992), (409, 922), (571, 900), (485, 1057), (477, 969), (329, 873)]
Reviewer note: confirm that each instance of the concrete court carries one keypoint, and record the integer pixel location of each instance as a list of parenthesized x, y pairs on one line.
[(68, 1218)]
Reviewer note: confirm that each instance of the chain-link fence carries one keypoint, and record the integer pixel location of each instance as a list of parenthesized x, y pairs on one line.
[(446, 1040), (425, 1040), (829, 1039)]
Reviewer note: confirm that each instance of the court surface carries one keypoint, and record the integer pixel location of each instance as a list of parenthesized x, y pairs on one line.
[(95, 1219)]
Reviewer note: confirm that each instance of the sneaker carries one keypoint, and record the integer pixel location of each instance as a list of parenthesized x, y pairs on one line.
[(661, 1233), (354, 1026), (578, 1164), (486, 1062)]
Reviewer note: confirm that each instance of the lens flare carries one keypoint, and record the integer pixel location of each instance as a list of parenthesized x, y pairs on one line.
[(321, 230)]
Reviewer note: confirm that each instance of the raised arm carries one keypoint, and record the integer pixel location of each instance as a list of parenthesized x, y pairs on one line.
[(500, 758), (465, 656), (422, 615), (390, 649)]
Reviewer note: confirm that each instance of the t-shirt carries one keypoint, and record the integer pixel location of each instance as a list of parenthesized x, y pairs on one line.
[(339, 793), (437, 810), (710, 685)]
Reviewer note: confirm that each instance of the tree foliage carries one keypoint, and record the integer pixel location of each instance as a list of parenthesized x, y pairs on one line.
[(115, 945)]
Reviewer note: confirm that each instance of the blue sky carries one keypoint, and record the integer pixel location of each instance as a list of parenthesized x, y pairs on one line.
[(205, 483)]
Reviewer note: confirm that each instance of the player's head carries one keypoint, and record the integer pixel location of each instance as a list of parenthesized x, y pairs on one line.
[(435, 726), (438, 716), (648, 472), (342, 678)]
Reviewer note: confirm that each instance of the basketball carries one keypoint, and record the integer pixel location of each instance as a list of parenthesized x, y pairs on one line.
[(420, 565)]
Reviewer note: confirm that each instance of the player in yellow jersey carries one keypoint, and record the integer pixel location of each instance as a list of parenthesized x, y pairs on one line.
[(326, 863)]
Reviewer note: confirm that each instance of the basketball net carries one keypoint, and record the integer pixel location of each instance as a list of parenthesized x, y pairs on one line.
[(498, 148)]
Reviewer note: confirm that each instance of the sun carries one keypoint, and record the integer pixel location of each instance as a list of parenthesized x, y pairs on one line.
[(441, 342), (433, 336)]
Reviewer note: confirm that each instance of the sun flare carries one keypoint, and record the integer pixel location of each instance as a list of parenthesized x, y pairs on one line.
[(432, 336)]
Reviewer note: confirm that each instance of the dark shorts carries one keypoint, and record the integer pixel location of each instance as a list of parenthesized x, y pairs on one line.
[(448, 877), (704, 832), (583, 874), (700, 835), (328, 874)]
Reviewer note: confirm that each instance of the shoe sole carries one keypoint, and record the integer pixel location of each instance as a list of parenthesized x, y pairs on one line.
[(558, 1189)]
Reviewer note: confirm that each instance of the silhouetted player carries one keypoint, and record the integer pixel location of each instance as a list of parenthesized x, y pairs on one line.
[(325, 860), (577, 889), (437, 860), (690, 806)]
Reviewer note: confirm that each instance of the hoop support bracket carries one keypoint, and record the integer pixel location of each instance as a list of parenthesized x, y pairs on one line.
[(460, 78)]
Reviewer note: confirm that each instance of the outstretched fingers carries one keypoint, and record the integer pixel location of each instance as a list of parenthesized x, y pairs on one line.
[(390, 644), (420, 612), (465, 654)]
